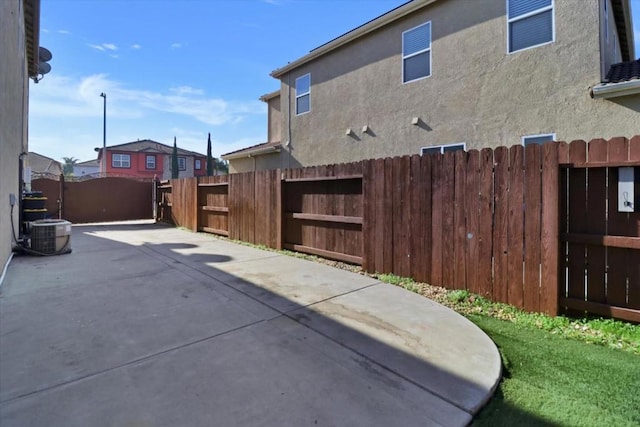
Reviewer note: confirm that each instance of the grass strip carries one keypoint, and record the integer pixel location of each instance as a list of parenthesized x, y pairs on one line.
[(551, 380)]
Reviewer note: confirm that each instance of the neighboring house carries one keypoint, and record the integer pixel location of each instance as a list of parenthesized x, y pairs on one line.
[(438, 75), (43, 166), (19, 43), (89, 167), (149, 159)]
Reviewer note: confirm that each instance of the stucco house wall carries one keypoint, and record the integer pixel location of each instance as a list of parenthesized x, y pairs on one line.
[(14, 87), (256, 163), (477, 93)]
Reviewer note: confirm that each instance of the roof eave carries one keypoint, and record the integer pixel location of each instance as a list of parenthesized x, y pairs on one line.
[(269, 96), (32, 35), (353, 35), (615, 90), (252, 153)]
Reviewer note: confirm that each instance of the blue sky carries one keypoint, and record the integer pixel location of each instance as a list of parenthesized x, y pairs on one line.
[(176, 68)]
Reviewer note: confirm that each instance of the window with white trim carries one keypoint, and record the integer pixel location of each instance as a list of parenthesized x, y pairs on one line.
[(121, 160), (303, 94), (530, 23), (443, 148), (416, 53), (182, 163), (198, 164), (538, 139), (150, 161)]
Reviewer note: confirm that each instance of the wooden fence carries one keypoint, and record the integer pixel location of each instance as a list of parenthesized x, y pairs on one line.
[(488, 221), (97, 200)]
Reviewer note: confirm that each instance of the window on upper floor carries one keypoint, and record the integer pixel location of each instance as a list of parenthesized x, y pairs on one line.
[(443, 148), (182, 163), (121, 160), (150, 161), (416, 53), (303, 94), (538, 139), (530, 23)]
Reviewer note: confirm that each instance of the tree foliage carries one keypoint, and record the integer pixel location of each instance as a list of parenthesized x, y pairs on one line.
[(210, 164), (175, 166), (67, 167)]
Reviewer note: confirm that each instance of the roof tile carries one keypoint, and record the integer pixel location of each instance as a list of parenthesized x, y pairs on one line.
[(623, 72)]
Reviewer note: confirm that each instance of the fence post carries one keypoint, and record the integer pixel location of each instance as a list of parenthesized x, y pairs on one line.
[(279, 205), (61, 198)]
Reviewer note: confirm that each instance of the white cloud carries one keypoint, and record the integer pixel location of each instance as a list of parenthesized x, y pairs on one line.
[(44, 30), (176, 45), (64, 32), (186, 90), (136, 46), (104, 47), (59, 96)]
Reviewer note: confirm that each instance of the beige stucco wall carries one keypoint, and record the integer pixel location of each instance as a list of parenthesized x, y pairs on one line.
[(262, 162), (14, 87), (274, 120), (478, 93)]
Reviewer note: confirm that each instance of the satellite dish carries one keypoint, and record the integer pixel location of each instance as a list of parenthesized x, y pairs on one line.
[(44, 68), (44, 54)]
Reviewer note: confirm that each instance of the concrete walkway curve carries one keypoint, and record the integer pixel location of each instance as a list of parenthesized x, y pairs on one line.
[(147, 325)]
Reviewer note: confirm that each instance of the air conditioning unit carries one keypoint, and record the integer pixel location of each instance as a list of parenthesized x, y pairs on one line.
[(51, 236)]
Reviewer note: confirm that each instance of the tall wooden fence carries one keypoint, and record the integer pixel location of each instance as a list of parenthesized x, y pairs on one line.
[(488, 221), (97, 200)]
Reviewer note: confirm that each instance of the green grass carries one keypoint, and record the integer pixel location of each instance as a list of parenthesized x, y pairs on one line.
[(551, 380)]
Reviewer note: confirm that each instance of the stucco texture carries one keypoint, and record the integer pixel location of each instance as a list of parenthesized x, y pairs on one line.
[(14, 87), (478, 93)]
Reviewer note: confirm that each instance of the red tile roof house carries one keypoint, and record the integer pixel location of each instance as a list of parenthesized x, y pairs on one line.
[(148, 159)]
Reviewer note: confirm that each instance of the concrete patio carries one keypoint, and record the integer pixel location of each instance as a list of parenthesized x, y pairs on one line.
[(147, 325)]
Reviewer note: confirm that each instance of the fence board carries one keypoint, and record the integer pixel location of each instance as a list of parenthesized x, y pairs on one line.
[(577, 208), (501, 226), (596, 220), (485, 228), (515, 232), (472, 177), (448, 206), (532, 203), (401, 220), (368, 215), (437, 221), (459, 222), (549, 240), (387, 226)]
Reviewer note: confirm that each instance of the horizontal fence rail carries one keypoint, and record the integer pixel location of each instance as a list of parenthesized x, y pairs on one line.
[(504, 223)]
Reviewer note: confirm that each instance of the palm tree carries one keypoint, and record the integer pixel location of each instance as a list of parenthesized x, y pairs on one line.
[(67, 168)]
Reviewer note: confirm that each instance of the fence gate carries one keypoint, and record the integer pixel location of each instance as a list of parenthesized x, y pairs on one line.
[(599, 241)]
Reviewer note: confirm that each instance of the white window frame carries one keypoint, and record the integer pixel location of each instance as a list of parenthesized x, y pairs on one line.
[(443, 146), (428, 49), (197, 164), (120, 162), (146, 161), (300, 95), (182, 163), (552, 7), (525, 137)]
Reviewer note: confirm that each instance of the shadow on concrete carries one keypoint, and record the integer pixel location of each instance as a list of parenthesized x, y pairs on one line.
[(448, 398)]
